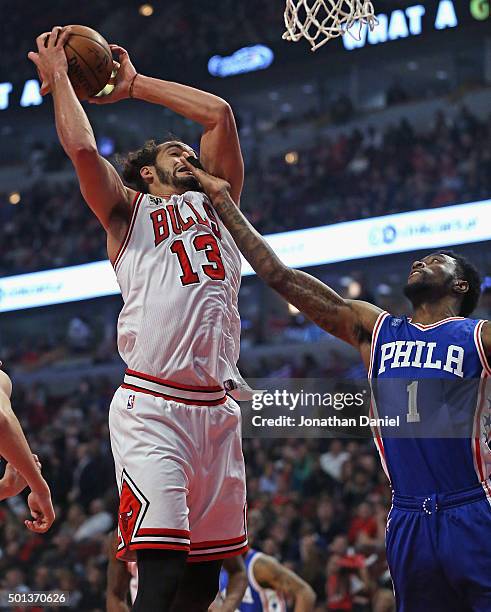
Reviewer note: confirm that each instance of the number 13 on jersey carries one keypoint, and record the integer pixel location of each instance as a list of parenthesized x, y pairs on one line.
[(209, 245)]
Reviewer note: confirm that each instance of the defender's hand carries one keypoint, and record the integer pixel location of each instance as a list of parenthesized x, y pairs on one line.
[(50, 58), (122, 81), (215, 188), (42, 511)]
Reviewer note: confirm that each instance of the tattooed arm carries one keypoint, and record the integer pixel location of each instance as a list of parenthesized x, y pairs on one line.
[(350, 320)]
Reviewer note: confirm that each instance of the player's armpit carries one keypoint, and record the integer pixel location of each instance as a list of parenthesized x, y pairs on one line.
[(102, 188), (270, 574), (486, 340), (350, 320)]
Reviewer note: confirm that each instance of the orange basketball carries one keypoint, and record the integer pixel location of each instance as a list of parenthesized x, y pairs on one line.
[(90, 61)]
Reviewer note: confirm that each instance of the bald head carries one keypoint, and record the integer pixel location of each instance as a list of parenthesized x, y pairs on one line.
[(5, 384)]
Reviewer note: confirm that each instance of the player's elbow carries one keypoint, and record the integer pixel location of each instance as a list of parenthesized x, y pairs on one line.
[(276, 276), (222, 112), (80, 154), (5, 384), (307, 595), (4, 420)]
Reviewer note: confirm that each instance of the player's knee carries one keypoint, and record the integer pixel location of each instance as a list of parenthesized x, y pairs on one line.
[(199, 587), (208, 595), (159, 573), (384, 601)]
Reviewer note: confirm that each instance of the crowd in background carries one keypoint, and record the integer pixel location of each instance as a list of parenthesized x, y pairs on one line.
[(317, 505), (350, 177), (180, 33), (374, 173)]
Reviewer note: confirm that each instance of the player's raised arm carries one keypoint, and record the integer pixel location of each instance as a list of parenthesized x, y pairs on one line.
[(220, 148), (271, 574), (350, 320), (100, 184)]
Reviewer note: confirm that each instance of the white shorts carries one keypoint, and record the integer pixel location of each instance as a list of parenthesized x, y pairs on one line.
[(180, 470)]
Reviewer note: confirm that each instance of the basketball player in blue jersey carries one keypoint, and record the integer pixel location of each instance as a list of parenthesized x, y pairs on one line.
[(430, 370), (269, 584), (256, 584)]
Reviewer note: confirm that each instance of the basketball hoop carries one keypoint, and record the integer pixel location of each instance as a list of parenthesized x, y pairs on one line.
[(321, 20)]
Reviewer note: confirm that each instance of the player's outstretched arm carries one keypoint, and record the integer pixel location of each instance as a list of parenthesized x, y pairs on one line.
[(100, 184), (236, 587), (271, 574), (15, 449), (350, 320), (220, 148), (118, 578)]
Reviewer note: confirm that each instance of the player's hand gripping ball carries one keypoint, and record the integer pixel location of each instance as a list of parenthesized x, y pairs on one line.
[(79, 51)]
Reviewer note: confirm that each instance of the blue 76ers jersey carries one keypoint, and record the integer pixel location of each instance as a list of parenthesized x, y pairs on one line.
[(433, 377), (256, 598)]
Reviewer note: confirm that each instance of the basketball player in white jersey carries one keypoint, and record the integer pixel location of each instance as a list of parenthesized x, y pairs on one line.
[(175, 434)]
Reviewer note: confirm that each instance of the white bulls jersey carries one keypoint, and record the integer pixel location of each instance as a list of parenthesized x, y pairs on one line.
[(179, 271)]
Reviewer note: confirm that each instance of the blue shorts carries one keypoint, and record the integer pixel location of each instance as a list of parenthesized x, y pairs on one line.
[(439, 552)]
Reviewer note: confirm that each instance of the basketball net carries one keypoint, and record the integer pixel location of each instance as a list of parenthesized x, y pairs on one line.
[(321, 20)]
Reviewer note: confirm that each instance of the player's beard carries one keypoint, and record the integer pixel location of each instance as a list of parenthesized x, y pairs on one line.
[(188, 182), (423, 292)]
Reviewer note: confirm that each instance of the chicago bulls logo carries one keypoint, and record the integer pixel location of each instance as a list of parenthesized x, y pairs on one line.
[(124, 517), (132, 506)]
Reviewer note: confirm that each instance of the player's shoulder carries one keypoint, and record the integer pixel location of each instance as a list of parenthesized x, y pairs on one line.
[(196, 196), (387, 320), (159, 200)]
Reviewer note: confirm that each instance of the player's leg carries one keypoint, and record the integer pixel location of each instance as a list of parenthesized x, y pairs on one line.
[(465, 533), (198, 587), (152, 469), (216, 503), (413, 558), (159, 574), (384, 601)]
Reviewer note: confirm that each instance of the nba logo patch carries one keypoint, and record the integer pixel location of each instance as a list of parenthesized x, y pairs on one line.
[(396, 322), (131, 402)]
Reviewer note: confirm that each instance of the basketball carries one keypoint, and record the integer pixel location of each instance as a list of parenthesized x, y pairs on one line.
[(90, 62)]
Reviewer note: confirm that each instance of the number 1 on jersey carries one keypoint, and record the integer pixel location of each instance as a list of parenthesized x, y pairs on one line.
[(413, 414)]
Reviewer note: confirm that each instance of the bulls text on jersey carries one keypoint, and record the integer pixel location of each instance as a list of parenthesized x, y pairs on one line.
[(169, 219)]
